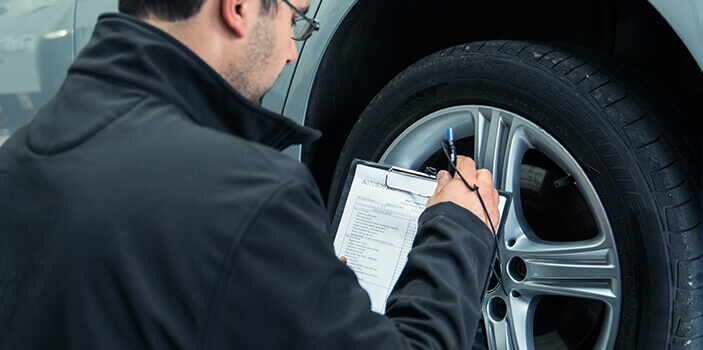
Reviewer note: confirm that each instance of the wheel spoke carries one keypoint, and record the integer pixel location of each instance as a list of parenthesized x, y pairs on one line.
[(520, 319), (490, 142), (497, 334), (514, 331), (580, 269), (499, 144)]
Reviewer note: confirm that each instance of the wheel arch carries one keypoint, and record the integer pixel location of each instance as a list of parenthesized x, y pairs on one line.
[(378, 39)]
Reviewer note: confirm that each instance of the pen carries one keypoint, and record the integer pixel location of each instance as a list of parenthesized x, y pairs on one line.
[(452, 149)]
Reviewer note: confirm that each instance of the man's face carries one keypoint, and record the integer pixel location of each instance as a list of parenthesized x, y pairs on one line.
[(271, 48)]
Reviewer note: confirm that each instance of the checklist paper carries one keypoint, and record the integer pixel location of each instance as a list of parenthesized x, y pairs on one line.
[(378, 225)]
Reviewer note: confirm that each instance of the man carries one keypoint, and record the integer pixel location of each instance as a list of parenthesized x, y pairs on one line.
[(147, 205)]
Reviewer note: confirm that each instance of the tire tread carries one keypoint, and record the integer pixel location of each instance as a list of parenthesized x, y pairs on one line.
[(661, 163)]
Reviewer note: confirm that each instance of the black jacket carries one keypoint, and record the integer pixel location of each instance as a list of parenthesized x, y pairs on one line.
[(147, 206)]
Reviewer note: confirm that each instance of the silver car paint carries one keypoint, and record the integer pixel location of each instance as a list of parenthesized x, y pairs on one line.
[(686, 18), (289, 96)]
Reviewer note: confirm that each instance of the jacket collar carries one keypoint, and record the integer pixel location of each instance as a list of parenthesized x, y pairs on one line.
[(130, 52)]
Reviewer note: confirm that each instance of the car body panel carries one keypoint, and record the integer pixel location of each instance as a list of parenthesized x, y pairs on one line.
[(686, 18), (296, 81)]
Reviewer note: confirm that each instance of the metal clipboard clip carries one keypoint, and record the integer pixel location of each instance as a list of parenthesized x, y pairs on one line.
[(411, 181)]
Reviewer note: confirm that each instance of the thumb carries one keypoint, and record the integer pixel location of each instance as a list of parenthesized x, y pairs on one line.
[(443, 177)]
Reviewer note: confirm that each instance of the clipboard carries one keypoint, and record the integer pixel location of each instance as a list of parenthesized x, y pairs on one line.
[(376, 220)]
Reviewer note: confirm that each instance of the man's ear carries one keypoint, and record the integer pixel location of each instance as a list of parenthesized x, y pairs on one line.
[(239, 15)]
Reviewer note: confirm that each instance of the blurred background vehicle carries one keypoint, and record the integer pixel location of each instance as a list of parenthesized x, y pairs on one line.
[(589, 111)]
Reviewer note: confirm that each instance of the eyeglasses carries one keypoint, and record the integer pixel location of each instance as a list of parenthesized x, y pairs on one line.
[(303, 26)]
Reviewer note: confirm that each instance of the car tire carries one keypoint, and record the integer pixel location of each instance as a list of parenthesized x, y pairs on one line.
[(602, 244)]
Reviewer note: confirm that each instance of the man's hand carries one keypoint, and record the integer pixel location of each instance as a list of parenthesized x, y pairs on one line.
[(454, 190)]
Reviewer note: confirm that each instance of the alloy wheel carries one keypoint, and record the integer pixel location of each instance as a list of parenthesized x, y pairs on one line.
[(558, 278)]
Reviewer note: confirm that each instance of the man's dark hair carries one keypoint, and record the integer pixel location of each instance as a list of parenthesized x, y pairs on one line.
[(171, 10)]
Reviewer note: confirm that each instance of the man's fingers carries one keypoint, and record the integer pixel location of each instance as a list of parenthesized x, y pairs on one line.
[(466, 166), (489, 194), (483, 176), (454, 190)]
